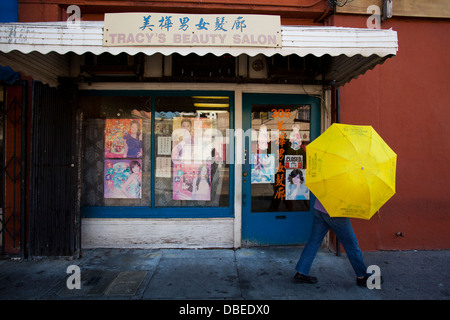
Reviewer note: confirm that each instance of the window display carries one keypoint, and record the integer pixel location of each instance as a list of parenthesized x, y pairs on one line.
[(116, 164), (197, 128), (185, 167)]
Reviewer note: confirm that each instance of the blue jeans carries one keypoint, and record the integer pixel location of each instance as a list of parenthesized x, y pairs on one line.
[(343, 230)]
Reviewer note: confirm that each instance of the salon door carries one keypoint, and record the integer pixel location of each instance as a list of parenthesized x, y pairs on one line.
[(276, 205)]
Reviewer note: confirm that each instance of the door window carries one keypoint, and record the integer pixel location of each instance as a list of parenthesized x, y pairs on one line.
[(278, 157)]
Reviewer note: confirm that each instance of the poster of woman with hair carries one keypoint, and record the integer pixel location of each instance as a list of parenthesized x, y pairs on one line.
[(192, 181), (263, 168), (123, 179), (295, 185), (123, 138)]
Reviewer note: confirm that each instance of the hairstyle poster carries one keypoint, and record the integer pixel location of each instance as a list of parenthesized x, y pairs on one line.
[(192, 181), (295, 185), (123, 138), (263, 168), (123, 179)]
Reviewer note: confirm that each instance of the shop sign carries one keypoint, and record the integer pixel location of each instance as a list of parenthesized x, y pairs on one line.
[(167, 29)]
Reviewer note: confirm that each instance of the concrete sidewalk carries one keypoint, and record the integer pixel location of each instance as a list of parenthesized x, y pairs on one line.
[(263, 273)]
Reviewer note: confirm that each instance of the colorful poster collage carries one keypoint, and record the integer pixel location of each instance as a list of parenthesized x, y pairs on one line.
[(123, 159), (277, 165)]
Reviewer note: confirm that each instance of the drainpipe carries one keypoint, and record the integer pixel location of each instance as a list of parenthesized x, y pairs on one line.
[(23, 172), (338, 105)]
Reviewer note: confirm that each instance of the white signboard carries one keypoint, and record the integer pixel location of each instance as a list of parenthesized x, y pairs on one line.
[(168, 29)]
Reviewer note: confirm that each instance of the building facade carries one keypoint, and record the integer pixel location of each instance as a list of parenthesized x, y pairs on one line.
[(188, 143)]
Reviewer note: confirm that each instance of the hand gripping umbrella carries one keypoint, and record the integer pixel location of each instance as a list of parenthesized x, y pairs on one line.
[(351, 171)]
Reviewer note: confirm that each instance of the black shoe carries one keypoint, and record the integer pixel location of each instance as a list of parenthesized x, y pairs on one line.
[(362, 282), (300, 278)]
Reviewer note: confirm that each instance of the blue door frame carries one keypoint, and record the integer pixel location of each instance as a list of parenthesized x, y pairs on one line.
[(275, 228)]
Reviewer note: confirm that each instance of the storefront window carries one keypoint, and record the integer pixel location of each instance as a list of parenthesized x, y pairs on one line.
[(116, 151), (185, 166), (190, 151)]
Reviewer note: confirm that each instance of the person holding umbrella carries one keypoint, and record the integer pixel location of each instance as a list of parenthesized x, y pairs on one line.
[(342, 227), (352, 171)]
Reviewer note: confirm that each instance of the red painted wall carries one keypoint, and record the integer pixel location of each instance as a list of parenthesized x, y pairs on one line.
[(407, 100)]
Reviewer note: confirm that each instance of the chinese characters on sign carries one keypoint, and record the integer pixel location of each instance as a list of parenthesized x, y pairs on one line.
[(158, 29), (280, 184)]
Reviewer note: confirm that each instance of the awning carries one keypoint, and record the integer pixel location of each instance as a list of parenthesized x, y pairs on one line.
[(349, 52)]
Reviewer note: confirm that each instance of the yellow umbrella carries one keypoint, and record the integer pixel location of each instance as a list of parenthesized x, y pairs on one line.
[(351, 170)]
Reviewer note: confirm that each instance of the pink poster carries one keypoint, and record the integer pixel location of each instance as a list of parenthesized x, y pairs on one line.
[(191, 181), (123, 179), (123, 138)]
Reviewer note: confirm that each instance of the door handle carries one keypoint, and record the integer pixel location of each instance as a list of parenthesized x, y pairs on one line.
[(244, 173)]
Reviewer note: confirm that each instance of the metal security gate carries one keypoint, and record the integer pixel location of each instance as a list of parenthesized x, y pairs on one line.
[(54, 179), (13, 169)]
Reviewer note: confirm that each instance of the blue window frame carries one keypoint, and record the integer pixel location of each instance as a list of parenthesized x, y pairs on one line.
[(214, 109)]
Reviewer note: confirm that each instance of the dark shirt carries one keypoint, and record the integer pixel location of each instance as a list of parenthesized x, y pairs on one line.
[(134, 146)]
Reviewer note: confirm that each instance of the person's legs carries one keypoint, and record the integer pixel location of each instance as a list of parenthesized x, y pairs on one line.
[(342, 227), (319, 230)]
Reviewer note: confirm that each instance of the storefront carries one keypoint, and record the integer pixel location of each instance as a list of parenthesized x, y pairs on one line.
[(199, 141)]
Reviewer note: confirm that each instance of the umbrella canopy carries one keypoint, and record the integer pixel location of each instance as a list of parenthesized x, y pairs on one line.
[(351, 171)]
